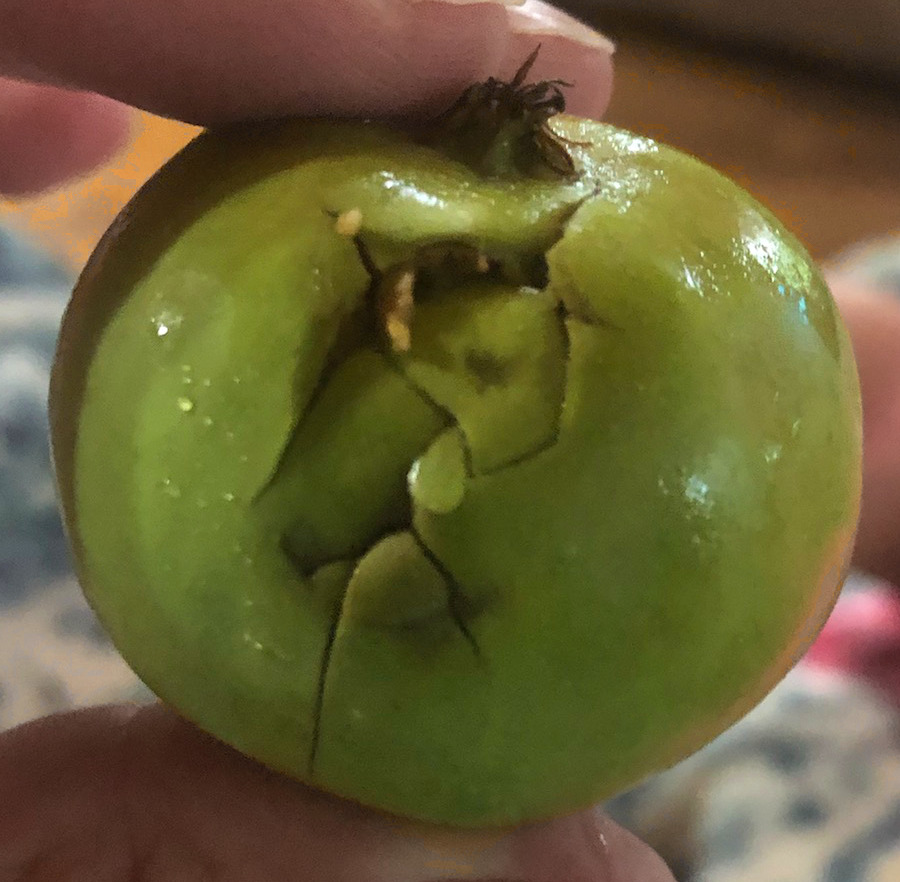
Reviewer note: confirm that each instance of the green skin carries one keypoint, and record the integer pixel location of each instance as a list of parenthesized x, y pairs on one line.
[(552, 548)]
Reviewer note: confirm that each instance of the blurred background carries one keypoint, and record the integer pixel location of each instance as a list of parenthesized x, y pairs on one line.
[(798, 101)]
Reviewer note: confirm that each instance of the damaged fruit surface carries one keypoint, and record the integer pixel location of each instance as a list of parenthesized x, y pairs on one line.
[(467, 491)]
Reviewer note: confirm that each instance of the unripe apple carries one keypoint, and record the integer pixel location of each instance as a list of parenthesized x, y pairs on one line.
[(471, 473)]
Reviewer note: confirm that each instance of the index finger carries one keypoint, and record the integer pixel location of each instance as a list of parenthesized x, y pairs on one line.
[(212, 61)]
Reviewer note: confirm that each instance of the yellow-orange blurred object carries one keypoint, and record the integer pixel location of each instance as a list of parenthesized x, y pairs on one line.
[(70, 221)]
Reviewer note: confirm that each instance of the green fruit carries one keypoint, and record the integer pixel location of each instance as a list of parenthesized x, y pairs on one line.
[(455, 476)]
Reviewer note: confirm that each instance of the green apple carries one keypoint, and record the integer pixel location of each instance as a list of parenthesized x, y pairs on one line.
[(470, 474)]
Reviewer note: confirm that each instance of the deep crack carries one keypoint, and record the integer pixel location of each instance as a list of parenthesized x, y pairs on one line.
[(359, 329), (323, 677), (308, 569), (349, 336), (456, 597), (458, 607), (553, 438), (449, 416), (368, 263)]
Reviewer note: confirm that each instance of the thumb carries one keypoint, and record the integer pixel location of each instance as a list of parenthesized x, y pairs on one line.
[(111, 793), (210, 61)]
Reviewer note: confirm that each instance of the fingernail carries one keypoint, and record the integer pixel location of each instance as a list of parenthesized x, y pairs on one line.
[(581, 33), (443, 855), (541, 19), (571, 848), (471, 2)]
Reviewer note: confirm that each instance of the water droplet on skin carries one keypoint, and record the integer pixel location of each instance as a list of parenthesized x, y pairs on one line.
[(170, 489), (185, 405), (772, 453), (207, 382), (251, 641), (228, 497), (255, 644), (186, 381), (164, 323), (696, 491), (795, 428)]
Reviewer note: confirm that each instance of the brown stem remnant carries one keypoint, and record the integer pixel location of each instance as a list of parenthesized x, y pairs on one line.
[(501, 129)]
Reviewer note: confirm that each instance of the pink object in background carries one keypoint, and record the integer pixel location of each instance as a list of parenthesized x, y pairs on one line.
[(862, 638)]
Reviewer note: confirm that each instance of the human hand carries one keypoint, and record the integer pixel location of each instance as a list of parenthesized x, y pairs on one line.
[(48, 135), (209, 63), (118, 793), (873, 320)]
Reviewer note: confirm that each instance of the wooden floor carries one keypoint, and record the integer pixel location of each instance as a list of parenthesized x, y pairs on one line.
[(822, 151)]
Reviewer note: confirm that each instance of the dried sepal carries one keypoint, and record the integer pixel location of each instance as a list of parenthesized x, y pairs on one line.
[(502, 128)]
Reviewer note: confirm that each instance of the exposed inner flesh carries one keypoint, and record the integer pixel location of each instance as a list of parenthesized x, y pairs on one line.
[(453, 366)]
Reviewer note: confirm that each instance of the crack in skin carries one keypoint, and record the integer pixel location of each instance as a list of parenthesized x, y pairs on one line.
[(562, 317), (455, 595), (307, 565), (369, 265), (323, 677), (308, 572), (593, 321), (449, 416), (348, 335), (357, 329), (456, 599)]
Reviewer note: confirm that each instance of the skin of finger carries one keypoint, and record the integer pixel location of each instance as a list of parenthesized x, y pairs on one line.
[(61, 811), (49, 135), (210, 62), (570, 51), (155, 795), (873, 320)]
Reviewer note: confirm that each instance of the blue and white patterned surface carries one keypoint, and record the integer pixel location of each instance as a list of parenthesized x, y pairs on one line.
[(805, 789), (53, 652)]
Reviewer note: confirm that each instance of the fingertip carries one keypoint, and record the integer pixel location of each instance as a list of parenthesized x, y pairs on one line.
[(440, 47), (51, 135), (210, 62), (569, 51)]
